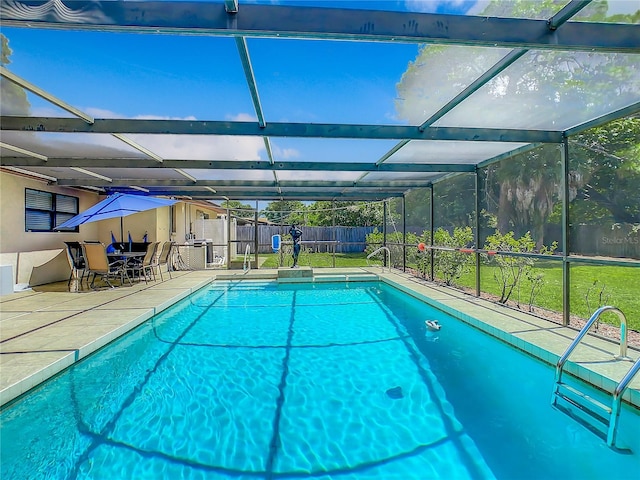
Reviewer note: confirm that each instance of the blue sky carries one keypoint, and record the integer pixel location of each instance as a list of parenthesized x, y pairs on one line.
[(201, 77), (129, 75), (161, 76)]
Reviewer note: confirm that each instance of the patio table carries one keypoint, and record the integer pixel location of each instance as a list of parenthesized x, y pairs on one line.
[(127, 257)]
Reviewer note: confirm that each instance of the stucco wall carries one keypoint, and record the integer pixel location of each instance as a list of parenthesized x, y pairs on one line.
[(49, 265), (13, 237), (26, 250)]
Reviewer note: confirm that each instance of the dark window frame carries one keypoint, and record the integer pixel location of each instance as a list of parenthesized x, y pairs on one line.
[(56, 210), (173, 219)]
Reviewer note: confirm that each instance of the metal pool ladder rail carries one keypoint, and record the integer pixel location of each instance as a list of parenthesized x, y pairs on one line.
[(376, 251), (599, 418), (246, 264)]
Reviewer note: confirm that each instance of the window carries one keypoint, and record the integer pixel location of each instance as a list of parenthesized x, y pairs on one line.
[(173, 219), (45, 210)]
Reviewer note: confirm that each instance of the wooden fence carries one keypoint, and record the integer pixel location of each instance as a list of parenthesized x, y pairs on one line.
[(348, 239)]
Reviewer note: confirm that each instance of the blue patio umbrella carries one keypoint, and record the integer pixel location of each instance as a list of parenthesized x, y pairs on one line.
[(117, 205)]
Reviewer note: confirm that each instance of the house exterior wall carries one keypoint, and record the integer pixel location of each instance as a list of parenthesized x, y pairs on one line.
[(40, 252), (137, 225), (13, 237), (26, 251), (190, 222)]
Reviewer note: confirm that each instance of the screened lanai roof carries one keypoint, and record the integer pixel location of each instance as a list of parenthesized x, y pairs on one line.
[(309, 100)]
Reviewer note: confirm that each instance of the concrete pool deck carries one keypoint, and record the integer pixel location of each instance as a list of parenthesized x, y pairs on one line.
[(45, 330)]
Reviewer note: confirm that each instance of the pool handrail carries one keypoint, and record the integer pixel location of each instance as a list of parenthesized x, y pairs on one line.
[(585, 329), (376, 251), (617, 399), (622, 385), (247, 258)]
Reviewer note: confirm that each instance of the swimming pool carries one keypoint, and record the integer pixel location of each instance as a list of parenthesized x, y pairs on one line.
[(260, 380)]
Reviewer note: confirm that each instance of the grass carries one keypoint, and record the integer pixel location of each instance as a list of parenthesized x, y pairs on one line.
[(316, 260), (591, 285)]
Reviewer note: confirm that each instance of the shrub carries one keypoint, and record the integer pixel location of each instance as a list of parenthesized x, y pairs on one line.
[(451, 265), (511, 269)]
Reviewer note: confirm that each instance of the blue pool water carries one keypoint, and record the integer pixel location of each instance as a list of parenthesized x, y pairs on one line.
[(252, 380)]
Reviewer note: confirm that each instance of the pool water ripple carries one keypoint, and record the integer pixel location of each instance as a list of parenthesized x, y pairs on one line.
[(260, 380)]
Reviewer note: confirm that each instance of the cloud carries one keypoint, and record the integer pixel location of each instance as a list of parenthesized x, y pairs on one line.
[(197, 147), (101, 113), (241, 117), (203, 147), (48, 111), (284, 153)]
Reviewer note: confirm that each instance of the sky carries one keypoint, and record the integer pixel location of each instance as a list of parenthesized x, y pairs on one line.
[(161, 76), (177, 77)]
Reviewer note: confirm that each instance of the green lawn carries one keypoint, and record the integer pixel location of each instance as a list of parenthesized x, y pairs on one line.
[(316, 260), (597, 285), (591, 287)]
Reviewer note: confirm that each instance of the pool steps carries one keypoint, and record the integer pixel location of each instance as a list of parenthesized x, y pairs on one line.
[(360, 277), (588, 412), (583, 403), (307, 274)]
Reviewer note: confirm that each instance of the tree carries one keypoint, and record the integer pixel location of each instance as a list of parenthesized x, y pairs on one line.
[(14, 97), (450, 265), (454, 201), (510, 269), (527, 186), (418, 210), (606, 166), (352, 214), (238, 208), (286, 212)]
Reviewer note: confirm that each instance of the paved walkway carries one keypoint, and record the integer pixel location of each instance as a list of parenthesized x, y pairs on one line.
[(44, 330)]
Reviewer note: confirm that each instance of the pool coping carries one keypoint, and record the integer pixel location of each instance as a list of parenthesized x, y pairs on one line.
[(595, 360), (44, 332)]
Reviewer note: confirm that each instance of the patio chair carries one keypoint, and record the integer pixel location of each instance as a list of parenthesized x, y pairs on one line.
[(147, 264), (97, 263), (164, 257), (76, 261)]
